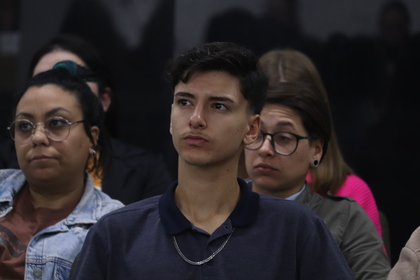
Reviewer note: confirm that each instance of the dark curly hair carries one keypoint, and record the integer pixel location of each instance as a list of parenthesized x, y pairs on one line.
[(223, 56)]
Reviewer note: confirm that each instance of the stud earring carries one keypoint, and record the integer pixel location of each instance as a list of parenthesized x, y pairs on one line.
[(315, 163)]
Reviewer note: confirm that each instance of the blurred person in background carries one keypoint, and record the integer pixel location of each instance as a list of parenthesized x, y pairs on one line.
[(133, 173), (334, 176)]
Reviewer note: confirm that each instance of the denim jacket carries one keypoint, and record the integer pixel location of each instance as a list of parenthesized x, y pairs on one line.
[(50, 252)]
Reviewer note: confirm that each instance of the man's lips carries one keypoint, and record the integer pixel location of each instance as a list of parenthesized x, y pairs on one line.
[(195, 140)]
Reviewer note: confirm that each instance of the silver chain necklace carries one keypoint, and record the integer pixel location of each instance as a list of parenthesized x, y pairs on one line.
[(205, 260)]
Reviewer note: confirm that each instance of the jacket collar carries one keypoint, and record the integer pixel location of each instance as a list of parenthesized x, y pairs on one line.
[(85, 212), (305, 197), (244, 214), (309, 199)]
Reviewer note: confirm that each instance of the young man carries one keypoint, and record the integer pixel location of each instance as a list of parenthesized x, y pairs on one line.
[(208, 225)]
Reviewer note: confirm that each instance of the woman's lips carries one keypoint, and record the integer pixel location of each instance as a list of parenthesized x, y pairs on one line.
[(264, 168), (41, 158)]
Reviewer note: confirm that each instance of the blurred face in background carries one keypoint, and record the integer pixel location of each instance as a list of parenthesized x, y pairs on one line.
[(50, 59)]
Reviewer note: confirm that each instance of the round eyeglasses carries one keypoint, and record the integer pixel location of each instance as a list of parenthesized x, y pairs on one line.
[(283, 143), (56, 128)]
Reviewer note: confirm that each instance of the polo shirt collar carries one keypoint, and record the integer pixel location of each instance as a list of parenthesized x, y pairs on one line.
[(244, 214)]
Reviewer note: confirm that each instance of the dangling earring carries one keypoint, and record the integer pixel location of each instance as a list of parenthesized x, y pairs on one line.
[(92, 152), (315, 163)]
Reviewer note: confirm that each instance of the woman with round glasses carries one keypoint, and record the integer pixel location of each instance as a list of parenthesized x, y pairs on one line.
[(295, 130), (47, 207), (334, 175), (134, 173)]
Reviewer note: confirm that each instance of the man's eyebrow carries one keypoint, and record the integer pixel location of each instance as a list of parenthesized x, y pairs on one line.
[(211, 98), (221, 98), (184, 94)]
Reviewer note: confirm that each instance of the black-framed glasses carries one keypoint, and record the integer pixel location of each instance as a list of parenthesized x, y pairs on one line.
[(283, 143), (56, 128)]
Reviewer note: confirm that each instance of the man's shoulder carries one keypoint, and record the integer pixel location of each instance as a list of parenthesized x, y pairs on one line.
[(139, 210)]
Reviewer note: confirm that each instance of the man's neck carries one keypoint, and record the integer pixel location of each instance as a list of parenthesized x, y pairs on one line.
[(207, 196)]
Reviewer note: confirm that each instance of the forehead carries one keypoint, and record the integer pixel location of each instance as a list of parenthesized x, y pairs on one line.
[(50, 59), (276, 116), (40, 100), (211, 83)]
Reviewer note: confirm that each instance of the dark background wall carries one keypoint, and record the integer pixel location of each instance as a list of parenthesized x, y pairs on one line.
[(372, 88)]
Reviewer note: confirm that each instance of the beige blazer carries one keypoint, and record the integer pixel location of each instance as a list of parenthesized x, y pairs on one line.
[(408, 265)]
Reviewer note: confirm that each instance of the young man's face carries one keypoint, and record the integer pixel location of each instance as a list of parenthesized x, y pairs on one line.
[(209, 119)]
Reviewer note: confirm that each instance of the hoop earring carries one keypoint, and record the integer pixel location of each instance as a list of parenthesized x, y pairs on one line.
[(93, 152), (315, 163)]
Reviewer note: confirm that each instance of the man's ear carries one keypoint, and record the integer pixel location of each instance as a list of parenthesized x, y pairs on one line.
[(170, 123), (106, 98), (253, 129)]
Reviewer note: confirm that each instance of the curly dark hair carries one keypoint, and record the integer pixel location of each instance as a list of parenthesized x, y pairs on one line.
[(223, 56)]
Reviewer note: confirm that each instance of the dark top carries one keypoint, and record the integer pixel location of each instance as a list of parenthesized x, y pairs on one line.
[(8, 154), (270, 239), (134, 173)]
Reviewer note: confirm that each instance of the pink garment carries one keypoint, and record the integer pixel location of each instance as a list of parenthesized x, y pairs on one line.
[(357, 189)]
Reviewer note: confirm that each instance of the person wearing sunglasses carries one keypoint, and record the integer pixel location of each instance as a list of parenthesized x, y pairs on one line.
[(49, 204), (294, 135)]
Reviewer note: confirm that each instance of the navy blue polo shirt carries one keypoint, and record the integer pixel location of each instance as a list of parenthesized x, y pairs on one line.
[(270, 238), (244, 214)]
